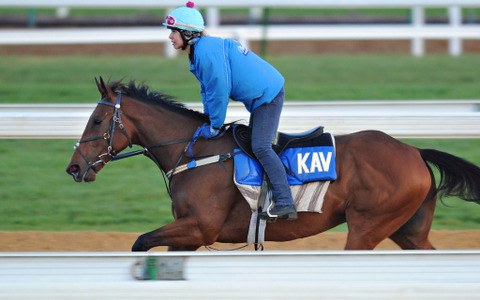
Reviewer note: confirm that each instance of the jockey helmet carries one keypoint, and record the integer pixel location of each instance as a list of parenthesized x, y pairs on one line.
[(185, 18)]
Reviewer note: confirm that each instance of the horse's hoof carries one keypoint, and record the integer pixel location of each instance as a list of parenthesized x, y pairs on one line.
[(139, 245)]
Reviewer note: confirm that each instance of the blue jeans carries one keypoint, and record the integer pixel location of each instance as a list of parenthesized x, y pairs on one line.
[(264, 122)]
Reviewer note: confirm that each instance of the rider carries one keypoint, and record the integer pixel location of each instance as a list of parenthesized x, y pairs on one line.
[(227, 70)]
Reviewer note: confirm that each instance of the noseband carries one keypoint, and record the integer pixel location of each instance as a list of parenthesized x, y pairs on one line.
[(107, 136)]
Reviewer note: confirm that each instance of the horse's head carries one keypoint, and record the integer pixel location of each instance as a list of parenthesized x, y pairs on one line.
[(103, 137)]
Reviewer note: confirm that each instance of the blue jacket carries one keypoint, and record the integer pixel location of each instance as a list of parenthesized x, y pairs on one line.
[(226, 70)]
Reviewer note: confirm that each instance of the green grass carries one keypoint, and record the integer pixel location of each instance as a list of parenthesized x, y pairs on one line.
[(70, 79), (130, 195), (37, 194)]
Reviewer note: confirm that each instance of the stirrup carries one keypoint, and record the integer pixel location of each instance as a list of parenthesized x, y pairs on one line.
[(271, 218), (272, 204)]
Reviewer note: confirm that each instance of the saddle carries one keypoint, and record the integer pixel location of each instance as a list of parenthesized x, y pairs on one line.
[(309, 161), (243, 137)]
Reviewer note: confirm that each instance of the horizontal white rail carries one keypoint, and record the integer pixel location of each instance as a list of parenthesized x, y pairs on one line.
[(402, 119), (417, 32), (241, 33), (241, 275), (245, 34)]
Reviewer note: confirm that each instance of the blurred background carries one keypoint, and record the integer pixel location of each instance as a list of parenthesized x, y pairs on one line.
[(343, 53), (423, 26)]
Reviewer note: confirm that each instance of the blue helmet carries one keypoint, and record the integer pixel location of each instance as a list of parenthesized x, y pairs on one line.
[(185, 18)]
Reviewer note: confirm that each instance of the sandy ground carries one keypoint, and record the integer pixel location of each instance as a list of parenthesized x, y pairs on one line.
[(89, 241)]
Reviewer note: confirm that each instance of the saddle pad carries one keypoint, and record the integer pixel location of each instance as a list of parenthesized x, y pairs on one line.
[(310, 164), (308, 197), (306, 164)]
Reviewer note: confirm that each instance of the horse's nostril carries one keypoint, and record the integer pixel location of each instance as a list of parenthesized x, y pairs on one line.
[(73, 169)]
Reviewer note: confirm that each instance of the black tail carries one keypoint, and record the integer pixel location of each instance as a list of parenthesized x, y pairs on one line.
[(459, 177)]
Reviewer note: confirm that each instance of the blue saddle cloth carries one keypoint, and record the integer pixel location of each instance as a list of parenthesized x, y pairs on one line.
[(306, 163)]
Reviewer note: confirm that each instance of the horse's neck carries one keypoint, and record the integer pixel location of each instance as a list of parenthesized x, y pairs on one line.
[(158, 127)]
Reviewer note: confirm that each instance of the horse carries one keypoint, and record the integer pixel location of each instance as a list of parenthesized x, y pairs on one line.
[(384, 189)]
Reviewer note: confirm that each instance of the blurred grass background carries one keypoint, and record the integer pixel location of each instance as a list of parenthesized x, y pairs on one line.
[(70, 79), (129, 195)]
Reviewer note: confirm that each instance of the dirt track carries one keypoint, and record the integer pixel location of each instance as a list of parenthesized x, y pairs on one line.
[(40, 241)]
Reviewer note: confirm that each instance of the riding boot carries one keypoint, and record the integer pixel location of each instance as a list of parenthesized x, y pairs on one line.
[(285, 212)]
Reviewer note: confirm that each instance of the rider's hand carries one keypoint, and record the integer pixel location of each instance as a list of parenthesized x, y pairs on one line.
[(207, 132)]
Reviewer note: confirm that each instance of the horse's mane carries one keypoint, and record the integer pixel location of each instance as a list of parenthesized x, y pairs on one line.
[(144, 93)]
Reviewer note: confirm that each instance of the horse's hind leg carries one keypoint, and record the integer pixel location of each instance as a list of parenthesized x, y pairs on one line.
[(366, 229), (414, 233), (368, 225), (367, 234)]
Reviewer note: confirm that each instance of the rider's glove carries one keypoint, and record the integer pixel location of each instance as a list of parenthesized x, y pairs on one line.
[(207, 132)]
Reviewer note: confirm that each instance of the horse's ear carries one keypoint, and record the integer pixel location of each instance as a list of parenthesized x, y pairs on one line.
[(104, 89), (100, 88)]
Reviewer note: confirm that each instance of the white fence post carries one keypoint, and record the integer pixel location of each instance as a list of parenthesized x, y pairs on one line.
[(213, 17), (255, 14), (62, 12), (418, 20), (455, 18), (241, 36)]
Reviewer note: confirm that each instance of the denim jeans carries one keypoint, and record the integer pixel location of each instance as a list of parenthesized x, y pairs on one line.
[(264, 122)]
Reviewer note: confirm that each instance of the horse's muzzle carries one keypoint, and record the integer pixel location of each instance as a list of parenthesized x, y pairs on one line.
[(74, 170)]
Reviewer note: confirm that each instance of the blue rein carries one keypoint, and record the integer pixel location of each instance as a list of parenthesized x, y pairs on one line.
[(117, 118)]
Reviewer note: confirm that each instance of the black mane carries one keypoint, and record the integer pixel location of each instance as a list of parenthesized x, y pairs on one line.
[(144, 93)]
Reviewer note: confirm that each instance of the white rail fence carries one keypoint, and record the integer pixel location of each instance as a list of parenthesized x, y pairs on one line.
[(402, 119), (417, 32), (242, 275)]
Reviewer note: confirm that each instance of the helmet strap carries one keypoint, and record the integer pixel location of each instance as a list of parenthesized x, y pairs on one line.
[(192, 38), (185, 41), (192, 41)]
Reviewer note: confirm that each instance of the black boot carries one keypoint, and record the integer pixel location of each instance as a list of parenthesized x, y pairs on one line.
[(285, 212)]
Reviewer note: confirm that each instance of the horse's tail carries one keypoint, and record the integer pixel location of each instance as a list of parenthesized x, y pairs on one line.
[(459, 177)]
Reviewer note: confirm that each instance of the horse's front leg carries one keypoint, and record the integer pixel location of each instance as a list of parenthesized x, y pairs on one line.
[(183, 234)]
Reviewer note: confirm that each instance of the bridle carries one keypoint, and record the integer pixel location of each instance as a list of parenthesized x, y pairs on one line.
[(107, 136)]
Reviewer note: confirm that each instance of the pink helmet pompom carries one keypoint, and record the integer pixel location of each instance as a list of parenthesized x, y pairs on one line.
[(190, 4)]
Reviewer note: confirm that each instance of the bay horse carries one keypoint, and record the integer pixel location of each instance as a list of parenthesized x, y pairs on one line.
[(385, 188)]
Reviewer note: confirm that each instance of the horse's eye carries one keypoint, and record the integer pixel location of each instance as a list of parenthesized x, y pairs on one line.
[(97, 122)]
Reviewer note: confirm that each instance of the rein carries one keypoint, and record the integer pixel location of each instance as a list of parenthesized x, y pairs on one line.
[(108, 136), (112, 154)]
